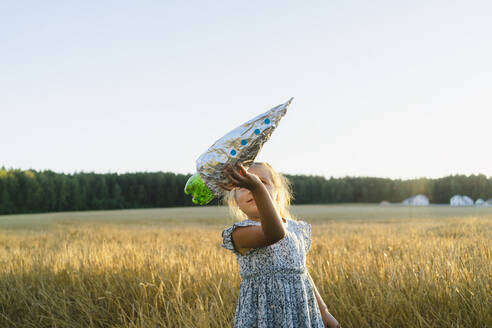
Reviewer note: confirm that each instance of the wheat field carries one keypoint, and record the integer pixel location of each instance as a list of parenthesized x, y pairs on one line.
[(375, 266)]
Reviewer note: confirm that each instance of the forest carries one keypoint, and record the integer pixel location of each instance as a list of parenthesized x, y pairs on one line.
[(30, 191)]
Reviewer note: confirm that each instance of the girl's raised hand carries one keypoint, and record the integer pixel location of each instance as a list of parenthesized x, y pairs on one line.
[(240, 178)]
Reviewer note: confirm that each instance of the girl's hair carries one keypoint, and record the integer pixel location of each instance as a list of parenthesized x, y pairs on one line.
[(282, 188)]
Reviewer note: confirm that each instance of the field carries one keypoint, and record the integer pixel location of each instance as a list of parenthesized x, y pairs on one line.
[(375, 266)]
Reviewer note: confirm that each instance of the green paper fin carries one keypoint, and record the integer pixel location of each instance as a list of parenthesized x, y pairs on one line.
[(198, 190)]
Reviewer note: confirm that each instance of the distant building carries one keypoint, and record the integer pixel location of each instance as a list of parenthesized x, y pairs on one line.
[(459, 200), (417, 200), (479, 202), (488, 202)]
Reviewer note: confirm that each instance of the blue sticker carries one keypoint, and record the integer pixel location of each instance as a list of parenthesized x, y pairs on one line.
[(267, 121), (257, 131), (233, 152), (244, 142)]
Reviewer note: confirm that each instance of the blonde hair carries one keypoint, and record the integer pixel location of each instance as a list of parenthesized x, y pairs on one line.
[(283, 189)]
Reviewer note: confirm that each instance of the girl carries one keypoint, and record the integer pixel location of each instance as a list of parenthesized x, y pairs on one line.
[(270, 247)]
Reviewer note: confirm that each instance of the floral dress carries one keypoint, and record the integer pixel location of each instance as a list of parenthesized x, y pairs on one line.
[(275, 288)]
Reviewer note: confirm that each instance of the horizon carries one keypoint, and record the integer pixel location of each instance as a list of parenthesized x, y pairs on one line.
[(297, 174)]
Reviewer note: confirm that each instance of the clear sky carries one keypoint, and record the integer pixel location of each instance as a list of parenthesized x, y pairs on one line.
[(397, 89)]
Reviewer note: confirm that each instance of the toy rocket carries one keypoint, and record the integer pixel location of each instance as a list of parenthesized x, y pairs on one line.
[(240, 145)]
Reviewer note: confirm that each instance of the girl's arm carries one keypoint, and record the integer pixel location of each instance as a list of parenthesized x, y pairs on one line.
[(272, 229), (328, 319)]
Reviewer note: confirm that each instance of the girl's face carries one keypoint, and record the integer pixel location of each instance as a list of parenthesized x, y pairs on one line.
[(244, 197)]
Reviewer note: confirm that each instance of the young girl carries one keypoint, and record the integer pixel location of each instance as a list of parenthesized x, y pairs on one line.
[(270, 247)]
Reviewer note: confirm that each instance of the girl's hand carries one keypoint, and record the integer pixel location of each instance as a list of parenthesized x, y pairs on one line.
[(240, 178), (329, 320)]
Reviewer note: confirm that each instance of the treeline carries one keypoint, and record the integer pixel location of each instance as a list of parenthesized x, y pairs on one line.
[(314, 189), (46, 191)]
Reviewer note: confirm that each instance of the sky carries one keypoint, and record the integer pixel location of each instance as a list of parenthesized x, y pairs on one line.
[(397, 89)]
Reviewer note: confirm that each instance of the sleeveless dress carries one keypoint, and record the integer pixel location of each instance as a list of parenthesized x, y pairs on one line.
[(275, 288)]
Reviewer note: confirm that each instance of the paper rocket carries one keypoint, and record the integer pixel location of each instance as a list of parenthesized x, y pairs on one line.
[(240, 145)]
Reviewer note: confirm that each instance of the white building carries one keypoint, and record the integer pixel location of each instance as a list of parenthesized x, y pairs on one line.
[(479, 202), (417, 200), (459, 200)]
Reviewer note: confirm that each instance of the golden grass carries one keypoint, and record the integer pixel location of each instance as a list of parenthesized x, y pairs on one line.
[(151, 271)]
